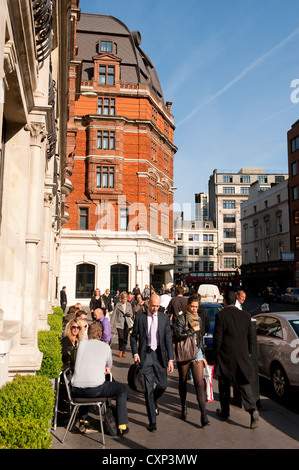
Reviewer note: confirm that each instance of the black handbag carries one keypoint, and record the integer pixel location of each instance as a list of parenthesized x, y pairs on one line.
[(110, 426), (136, 378)]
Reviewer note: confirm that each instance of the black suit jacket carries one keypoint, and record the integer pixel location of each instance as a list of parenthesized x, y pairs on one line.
[(139, 338), (232, 344), (63, 298)]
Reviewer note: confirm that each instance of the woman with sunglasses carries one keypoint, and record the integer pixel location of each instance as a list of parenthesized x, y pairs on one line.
[(73, 334)]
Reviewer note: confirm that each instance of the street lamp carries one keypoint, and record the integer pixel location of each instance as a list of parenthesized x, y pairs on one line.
[(88, 94)]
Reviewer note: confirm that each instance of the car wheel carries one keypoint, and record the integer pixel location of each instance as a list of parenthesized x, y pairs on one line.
[(280, 381)]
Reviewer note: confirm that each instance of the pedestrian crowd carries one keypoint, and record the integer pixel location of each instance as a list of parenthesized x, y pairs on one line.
[(161, 328)]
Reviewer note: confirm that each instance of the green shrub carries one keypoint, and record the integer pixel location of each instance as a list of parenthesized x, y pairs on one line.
[(55, 322), (27, 395), (49, 344), (24, 433), (58, 311), (26, 410)]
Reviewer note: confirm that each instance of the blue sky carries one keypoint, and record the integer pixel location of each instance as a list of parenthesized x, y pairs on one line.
[(228, 68)]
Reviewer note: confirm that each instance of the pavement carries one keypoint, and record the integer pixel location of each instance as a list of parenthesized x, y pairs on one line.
[(278, 427)]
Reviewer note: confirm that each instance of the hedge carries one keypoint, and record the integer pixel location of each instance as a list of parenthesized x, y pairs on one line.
[(26, 411), (49, 344), (27, 403)]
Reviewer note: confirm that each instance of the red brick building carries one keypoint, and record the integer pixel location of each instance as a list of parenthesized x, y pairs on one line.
[(120, 190)]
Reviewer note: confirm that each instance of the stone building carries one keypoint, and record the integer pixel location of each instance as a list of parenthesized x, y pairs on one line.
[(227, 191), (196, 247), (266, 238), (119, 231), (36, 46)]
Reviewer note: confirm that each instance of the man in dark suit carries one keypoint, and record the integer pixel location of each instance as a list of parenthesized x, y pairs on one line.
[(63, 298), (151, 344), (233, 365)]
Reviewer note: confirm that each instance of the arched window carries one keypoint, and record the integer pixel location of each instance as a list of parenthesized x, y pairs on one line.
[(85, 276), (119, 278)]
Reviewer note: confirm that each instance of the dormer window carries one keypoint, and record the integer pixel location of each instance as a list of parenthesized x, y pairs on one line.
[(106, 46), (106, 75)]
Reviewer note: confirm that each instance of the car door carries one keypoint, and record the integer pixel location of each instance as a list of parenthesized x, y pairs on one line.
[(269, 339)]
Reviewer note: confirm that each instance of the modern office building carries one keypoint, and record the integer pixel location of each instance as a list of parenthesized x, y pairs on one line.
[(36, 48), (120, 223), (265, 226), (196, 246), (293, 162), (227, 191)]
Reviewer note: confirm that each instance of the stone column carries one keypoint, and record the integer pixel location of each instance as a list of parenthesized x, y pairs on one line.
[(45, 263), (34, 233)]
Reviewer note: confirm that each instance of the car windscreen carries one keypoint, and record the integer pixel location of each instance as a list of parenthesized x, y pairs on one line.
[(295, 325), (213, 310)]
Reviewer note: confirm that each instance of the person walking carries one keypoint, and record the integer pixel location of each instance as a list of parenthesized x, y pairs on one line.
[(240, 299), (123, 321), (63, 298), (151, 344), (96, 301), (177, 304), (232, 344), (186, 325), (105, 323)]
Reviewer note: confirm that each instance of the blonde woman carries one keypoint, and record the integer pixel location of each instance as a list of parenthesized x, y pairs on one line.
[(123, 318), (73, 334), (96, 302)]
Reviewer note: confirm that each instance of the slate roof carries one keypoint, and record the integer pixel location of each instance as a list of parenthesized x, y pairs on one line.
[(136, 66)]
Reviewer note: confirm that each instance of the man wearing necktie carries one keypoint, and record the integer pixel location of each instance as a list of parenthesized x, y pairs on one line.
[(240, 299), (151, 344)]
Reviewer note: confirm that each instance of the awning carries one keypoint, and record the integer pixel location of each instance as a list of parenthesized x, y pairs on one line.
[(168, 267)]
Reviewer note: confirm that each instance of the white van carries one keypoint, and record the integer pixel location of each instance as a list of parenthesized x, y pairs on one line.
[(210, 293)]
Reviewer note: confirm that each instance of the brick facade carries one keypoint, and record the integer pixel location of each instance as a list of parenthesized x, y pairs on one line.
[(140, 140)]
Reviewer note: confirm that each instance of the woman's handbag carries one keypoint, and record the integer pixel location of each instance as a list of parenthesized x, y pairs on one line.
[(130, 322), (136, 378), (186, 350), (208, 374)]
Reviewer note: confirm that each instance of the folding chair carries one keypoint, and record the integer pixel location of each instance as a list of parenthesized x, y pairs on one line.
[(77, 402), (57, 385)]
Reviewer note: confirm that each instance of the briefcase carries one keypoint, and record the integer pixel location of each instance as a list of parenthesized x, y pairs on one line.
[(136, 378)]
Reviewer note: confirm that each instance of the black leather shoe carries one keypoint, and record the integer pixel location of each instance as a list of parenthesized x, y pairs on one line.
[(254, 420), (221, 415), (184, 413), (152, 427), (204, 420), (122, 432)]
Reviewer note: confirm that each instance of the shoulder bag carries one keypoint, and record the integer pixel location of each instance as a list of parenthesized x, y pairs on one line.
[(186, 349)]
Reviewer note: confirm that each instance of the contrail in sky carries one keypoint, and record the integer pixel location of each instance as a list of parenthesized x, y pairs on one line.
[(240, 76)]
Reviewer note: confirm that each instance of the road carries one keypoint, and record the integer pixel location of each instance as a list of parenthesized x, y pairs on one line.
[(278, 429)]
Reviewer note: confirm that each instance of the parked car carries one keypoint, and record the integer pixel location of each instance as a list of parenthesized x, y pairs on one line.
[(273, 294), (291, 295), (212, 309), (278, 349), (210, 293)]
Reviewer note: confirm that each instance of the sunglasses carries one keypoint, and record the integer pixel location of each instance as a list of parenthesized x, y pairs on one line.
[(75, 327)]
